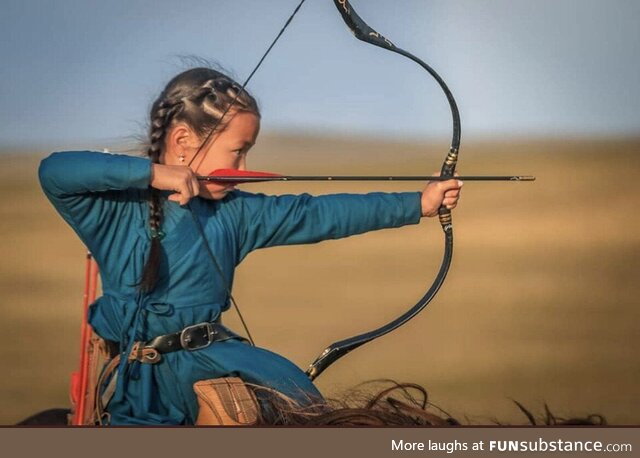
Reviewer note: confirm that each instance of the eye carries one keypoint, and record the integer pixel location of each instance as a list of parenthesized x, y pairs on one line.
[(241, 151)]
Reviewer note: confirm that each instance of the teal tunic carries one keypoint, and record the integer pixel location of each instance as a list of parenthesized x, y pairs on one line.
[(104, 198)]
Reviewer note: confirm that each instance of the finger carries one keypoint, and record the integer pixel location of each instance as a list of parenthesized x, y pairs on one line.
[(452, 193), (186, 186), (189, 188), (450, 185), (451, 199), (185, 194), (178, 197), (448, 202), (185, 198), (195, 185)]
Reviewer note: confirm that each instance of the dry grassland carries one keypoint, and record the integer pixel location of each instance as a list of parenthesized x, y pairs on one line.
[(541, 303)]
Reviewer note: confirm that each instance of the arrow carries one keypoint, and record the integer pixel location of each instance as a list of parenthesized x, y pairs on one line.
[(247, 176)]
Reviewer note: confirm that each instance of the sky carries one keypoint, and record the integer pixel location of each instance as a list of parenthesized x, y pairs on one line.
[(75, 72)]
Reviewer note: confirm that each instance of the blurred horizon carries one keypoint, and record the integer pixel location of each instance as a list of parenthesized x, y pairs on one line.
[(132, 144)]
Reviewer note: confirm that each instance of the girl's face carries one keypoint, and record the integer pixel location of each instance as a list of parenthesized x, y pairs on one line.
[(225, 150)]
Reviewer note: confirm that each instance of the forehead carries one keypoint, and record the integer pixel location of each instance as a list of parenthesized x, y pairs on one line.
[(244, 126)]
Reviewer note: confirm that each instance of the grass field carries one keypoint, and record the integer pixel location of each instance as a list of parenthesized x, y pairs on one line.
[(541, 303)]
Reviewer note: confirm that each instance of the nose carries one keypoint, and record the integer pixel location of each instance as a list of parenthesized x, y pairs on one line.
[(243, 164)]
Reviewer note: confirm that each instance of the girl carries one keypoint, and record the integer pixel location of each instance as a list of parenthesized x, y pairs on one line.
[(167, 258)]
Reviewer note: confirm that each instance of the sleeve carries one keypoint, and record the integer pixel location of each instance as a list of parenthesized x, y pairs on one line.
[(267, 221), (89, 190)]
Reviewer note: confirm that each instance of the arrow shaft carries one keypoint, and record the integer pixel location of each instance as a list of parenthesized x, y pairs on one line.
[(240, 179)]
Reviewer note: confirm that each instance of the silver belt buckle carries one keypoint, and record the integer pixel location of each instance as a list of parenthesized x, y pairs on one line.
[(186, 338)]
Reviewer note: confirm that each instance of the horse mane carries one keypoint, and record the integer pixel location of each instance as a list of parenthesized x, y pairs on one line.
[(374, 403), (393, 404)]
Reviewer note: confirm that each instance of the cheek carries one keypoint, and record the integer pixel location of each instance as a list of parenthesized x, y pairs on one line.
[(211, 160), (221, 163)]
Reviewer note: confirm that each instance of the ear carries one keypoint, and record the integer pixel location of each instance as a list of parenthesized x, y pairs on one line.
[(181, 139)]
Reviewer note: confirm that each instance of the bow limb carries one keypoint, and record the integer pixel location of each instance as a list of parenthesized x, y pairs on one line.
[(336, 350)]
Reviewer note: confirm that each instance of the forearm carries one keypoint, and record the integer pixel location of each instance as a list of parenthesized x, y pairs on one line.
[(342, 215), (288, 220)]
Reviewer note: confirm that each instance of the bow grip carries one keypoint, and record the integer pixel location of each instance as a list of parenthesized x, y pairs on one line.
[(448, 170)]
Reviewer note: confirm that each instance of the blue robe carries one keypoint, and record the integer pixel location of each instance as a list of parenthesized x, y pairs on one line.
[(104, 198)]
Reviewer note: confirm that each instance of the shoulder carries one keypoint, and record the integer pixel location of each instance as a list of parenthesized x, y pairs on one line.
[(86, 157), (257, 202), (75, 172), (236, 199), (59, 161), (237, 196), (68, 157)]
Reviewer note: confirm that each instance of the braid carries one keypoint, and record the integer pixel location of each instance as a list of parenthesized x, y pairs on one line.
[(161, 120), (198, 97)]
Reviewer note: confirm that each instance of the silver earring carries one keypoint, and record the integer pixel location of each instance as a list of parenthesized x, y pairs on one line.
[(181, 158)]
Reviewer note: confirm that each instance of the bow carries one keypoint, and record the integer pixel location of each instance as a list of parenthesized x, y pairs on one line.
[(365, 33), (336, 350)]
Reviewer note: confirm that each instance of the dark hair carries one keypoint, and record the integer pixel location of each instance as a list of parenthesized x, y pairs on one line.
[(199, 97)]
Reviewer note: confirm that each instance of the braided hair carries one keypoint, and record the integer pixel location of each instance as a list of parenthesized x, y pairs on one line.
[(198, 97)]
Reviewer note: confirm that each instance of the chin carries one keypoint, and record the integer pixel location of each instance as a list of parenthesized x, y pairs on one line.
[(214, 195), (214, 192)]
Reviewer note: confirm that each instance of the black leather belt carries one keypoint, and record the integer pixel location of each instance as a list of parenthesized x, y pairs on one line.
[(193, 337)]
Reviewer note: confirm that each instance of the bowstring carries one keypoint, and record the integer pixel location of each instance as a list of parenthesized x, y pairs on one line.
[(216, 264), (246, 81), (225, 282)]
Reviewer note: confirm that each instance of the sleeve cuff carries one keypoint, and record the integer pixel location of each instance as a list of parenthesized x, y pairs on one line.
[(411, 203)]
